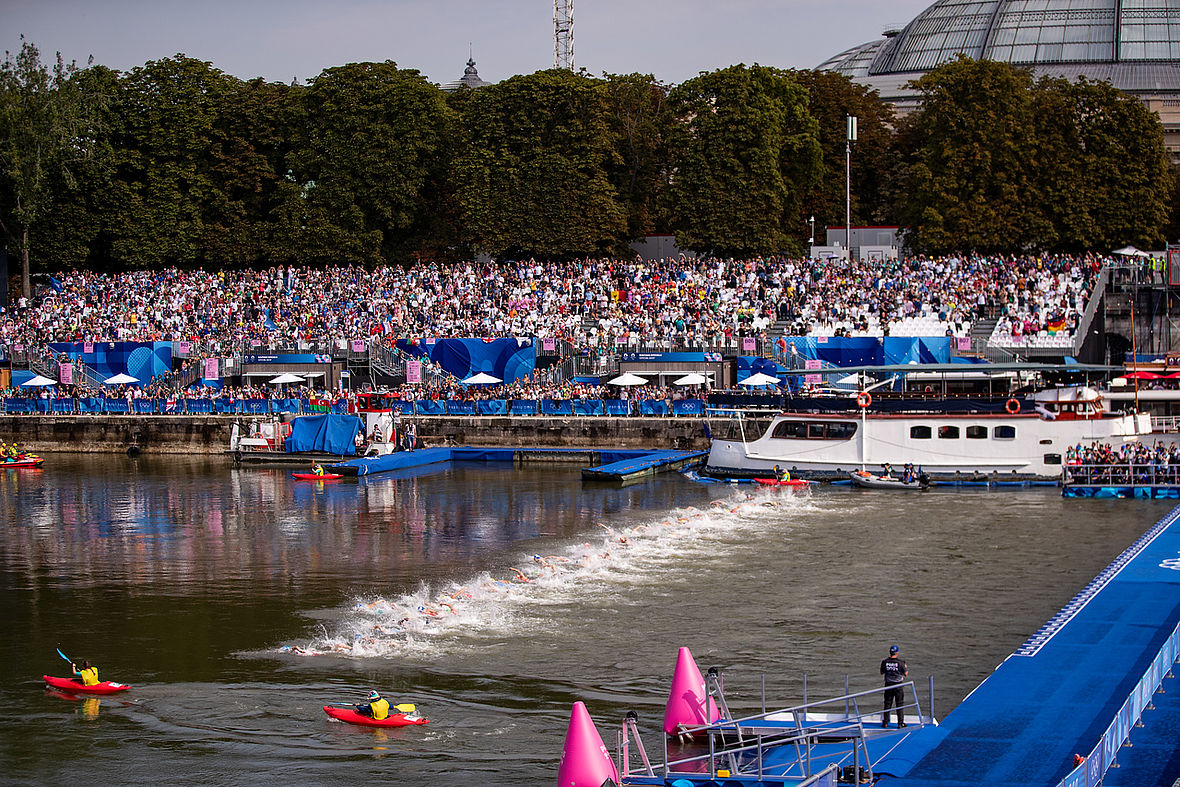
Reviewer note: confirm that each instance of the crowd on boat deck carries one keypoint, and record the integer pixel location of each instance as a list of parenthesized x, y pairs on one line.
[(1133, 462), (598, 305)]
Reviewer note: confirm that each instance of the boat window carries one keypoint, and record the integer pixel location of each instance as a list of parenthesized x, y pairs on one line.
[(948, 433), (1004, 432), (920, 432), (1052, 459), (791, 430), (977, 432), (841, 431), (813, 430)]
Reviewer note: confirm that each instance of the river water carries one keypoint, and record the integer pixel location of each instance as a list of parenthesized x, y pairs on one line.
[(238, 601)]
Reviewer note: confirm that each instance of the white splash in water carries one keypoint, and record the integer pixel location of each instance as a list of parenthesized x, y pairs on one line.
[(434, 619)]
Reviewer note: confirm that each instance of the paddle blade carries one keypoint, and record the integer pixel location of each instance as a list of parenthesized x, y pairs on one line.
[(405, 707), (64, 656)]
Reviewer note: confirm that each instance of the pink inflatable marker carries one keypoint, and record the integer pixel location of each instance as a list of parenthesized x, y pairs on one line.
[(585, 762), (686, 700)]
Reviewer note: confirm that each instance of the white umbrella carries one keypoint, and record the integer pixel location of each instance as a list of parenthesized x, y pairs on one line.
[(121, 379), (286, 378), (692, 378), (37, 381), (759, 379), (1127, 251), (627, 379), (482, 378)]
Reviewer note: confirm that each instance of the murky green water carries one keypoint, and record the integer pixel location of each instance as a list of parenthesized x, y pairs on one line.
[(239, 601)]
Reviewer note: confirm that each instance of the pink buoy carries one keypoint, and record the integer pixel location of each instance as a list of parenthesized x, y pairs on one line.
[(585, 762), (686, 700)]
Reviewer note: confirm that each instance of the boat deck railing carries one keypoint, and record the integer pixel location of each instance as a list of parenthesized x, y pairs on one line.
[(800, 742), (1120, 475)]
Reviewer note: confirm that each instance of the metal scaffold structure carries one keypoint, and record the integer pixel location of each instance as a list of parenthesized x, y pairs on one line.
[(563, 34)]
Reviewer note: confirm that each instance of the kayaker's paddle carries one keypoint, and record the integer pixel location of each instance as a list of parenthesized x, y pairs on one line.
[(64, 656), (405, 707)]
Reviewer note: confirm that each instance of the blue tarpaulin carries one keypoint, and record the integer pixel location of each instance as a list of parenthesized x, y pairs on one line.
[(334, 434)]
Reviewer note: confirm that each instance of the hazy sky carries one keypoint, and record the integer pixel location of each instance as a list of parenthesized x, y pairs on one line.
[(284, 39)]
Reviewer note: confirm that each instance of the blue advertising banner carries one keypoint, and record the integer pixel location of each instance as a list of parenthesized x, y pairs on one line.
[(141, 360), (507, 359), (290, 358), (693, 357)]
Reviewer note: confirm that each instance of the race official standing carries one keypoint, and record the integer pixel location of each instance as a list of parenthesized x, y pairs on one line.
[(895, 671)]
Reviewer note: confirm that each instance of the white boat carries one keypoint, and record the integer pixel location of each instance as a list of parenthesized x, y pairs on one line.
[(1028, 439), (867, 480)]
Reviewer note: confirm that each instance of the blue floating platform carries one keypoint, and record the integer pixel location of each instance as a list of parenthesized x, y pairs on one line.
[(1065, 689)]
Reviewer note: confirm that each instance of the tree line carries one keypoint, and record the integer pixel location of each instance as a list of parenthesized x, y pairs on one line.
[(178, 163)]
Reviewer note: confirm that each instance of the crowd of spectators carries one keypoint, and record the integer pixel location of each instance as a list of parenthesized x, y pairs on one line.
[(597, 305), (1129, 463)]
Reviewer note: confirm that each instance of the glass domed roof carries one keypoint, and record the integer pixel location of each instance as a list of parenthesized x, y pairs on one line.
[(1023, 32)]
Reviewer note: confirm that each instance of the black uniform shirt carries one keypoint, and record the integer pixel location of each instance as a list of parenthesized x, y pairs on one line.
[(894, 670)]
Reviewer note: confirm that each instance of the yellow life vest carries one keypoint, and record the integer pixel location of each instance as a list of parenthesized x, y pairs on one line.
[(89, 676), (380, 709)]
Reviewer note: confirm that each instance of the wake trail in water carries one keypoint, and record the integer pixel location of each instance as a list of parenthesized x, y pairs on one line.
[(439, 618)]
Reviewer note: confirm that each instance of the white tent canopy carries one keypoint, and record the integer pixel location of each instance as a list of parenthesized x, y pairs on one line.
[(286, 378), (692, 378), (37, 382), (759, 379), (483, 378), (627, 379), (1130, 251), (121, 379)]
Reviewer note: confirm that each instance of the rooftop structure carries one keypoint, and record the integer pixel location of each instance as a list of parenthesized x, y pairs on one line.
[(470, 79), (1133, 44)]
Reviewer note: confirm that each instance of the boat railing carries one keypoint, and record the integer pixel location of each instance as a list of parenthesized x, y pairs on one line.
[(1120, 475), (1165, 423), (741, 745)]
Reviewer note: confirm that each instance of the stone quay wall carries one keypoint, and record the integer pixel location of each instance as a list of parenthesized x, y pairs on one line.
[(209, 434)]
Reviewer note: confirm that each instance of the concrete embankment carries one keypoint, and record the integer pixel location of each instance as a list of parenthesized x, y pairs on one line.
[(209, 434)]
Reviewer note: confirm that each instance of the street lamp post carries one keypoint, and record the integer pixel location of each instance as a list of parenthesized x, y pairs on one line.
[(811, 240), (850, 138)]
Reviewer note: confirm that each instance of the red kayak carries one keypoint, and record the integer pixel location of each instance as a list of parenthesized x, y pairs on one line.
[(75, 686), (349, 714), (316, 477), (24, 461), (777, 482)]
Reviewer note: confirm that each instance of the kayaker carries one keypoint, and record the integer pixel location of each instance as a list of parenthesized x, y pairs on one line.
[(377, 707), (317, 468), (88, 675)]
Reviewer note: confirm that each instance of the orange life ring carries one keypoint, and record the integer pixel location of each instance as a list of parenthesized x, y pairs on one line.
[(1012, 406), (864, 399)]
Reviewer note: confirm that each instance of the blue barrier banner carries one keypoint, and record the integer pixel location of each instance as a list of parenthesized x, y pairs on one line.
[(401, 406), (1094, 766), (492, 407), (90, 405), (285, 406), (115, 406), (340, 408), (16, 405), (589, 407), (653, 407), (1076, 778), (256, 406), (63, 405), (617, 407), (556, 407), (145, 406), (199, 405), (460, 408), (688, 407), (431, 407), (225, 405), (524, 407)]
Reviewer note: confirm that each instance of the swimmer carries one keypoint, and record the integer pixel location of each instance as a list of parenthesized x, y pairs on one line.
[(519, 574)]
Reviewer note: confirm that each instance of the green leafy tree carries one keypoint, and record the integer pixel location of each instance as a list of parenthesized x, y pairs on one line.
[(533, 172), (165, 188), (967, 184), (635, 112), (743, 150), (46, 129), (831, 98), (373, 140), (1103, 169)]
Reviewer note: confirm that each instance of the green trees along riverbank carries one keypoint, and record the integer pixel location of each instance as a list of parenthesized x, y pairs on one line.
[(178, 163)]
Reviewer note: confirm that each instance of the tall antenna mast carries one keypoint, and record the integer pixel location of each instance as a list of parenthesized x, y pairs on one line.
[(563, 34)]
